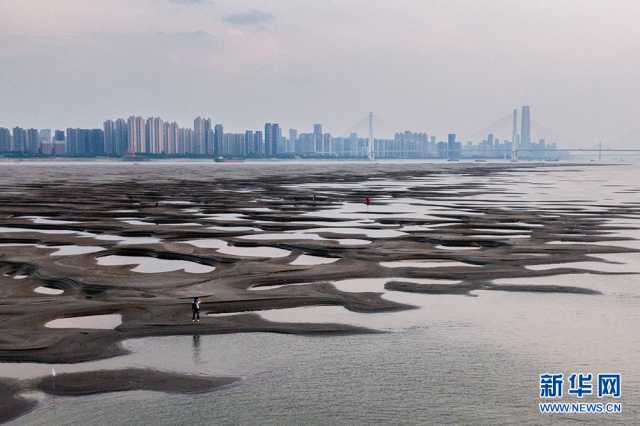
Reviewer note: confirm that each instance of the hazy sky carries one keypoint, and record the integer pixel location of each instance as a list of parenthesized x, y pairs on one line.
[(427, 65)]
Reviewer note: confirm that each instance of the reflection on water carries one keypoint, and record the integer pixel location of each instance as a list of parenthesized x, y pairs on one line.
[(196, 349)]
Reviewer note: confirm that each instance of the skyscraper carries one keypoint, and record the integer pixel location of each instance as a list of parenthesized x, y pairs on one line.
[(173, 136), (317, 138), (218, 139), (33, 141), (293, 139), (199, 133), (249, 146), (452, 147), (44, 136), (326, 143), (258, 143), (59, 143), (19, 140), (121, 143), (514, 132), (208, 137), (525, 127), (73, 141), (271, 139), (116, 137), (136, 135), (109, 137), (95, 142), (5, 139), (154, 128)]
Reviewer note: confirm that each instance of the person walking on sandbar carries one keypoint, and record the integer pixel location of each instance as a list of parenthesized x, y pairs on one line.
[(195, 309)]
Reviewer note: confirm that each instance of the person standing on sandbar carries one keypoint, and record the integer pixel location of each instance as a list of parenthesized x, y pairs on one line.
[(195, 309)]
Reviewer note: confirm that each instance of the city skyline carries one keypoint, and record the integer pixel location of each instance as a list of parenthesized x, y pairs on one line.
[(432, 64), (154, 136)]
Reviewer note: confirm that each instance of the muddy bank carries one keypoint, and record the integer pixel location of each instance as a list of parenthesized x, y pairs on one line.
[(104, 381), (153, 213), (468, 288), (12, 405)]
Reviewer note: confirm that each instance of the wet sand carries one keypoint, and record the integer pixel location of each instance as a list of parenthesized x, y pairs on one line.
[(96, 382), (165, 211)]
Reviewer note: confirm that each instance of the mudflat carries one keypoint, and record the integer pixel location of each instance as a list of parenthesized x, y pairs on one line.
[(110, 217)]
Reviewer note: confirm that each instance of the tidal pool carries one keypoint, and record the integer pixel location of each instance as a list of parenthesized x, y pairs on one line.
[(103, 322), (148, 265)]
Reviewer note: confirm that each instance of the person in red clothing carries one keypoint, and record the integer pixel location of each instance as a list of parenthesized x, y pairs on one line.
[(367, 200)]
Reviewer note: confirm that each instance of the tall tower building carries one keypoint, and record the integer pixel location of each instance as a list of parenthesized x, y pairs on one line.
[(137, 136), (44, 136), (271, 139), (218, 139), (293, 139), (121, 142), (33, 141), (208, 137), (19, 140), (59, 143), (525, 126), (317, 138), (258, 143), (165, 137), (452, 146), (155, 135), (199, 136), (326, 143), (5, 139), (514, 136), (249, 147), (110, 137), (514, 132), (173, 137)]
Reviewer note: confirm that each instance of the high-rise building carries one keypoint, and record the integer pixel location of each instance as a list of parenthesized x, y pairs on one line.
[(73, 141), (5, 139), (326, 143), (453, 151), (514, 132), (33, 141), (234, 145), (317, 138), (208, 137), (121, 143), (154, 128), (525, 127), (46, 146), (172, 138), (249, 147), (19, 140), (137, 138), (258, 143), (271, 139), (218, 138), (116, 137), (293, 140), (185, 141), (200, 134), (59, 143), (109, 127), (95, 142)]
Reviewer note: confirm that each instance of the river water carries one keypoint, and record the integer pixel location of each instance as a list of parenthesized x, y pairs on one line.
[(457, 359)]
